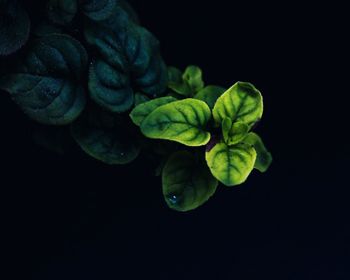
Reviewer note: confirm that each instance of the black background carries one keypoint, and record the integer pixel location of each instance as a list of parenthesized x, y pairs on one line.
[(71, 217)]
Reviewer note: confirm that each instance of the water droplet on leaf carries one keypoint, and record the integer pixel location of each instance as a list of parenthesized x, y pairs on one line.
[(173, 198)]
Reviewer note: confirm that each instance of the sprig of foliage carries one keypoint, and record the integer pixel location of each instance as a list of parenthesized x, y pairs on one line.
[(91, 66)]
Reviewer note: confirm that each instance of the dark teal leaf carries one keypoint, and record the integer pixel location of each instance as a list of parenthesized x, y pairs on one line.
[(132, 54), (264, 157), (99, 9), (14, 27), (62, 11), (105, 137), (129, 10), (47, 84), (210, 94), (187, 182), (110, 88)]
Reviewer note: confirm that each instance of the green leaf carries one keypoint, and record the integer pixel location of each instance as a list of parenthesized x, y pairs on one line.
[(242, 102), (62, 11), (140, 112), (176, 82), (47, 84), (193, 77), (186, 84), (264, 157), (187, 182), (14, 27), (140, 98), (130, 55), (99, 10), (174, 75), (209, 95), (234, 133), (182, 121), (105, 137), (231, 165)]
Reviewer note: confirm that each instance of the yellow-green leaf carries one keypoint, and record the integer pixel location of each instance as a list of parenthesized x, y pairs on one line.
[(264, 157), (242, 102), (231, 165), (182, 121), (140, 112)]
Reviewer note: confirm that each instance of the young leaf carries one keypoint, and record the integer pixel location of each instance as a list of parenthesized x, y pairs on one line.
[(140, 112), (182, 121), (264, 157), (193, 77), (242, 102), (209, 95), (105, 137), (47, 85), (99, 10), (231, 165), (14, 27), (187, 183), (226, 127), (174, 75), (233, 133), (62, 11)]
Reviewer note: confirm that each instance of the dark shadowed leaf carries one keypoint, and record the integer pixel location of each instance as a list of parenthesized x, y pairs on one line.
[(99, 10), (187, 182), (105, 137), (46, 84), (131, 55), (210, 94), (62, 11), (14, 26)]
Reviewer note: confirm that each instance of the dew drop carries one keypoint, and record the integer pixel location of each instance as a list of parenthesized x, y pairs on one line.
[(173, 198)]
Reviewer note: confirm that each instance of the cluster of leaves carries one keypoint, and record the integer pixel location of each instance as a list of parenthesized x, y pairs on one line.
[(90, 66), (218, 119)]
